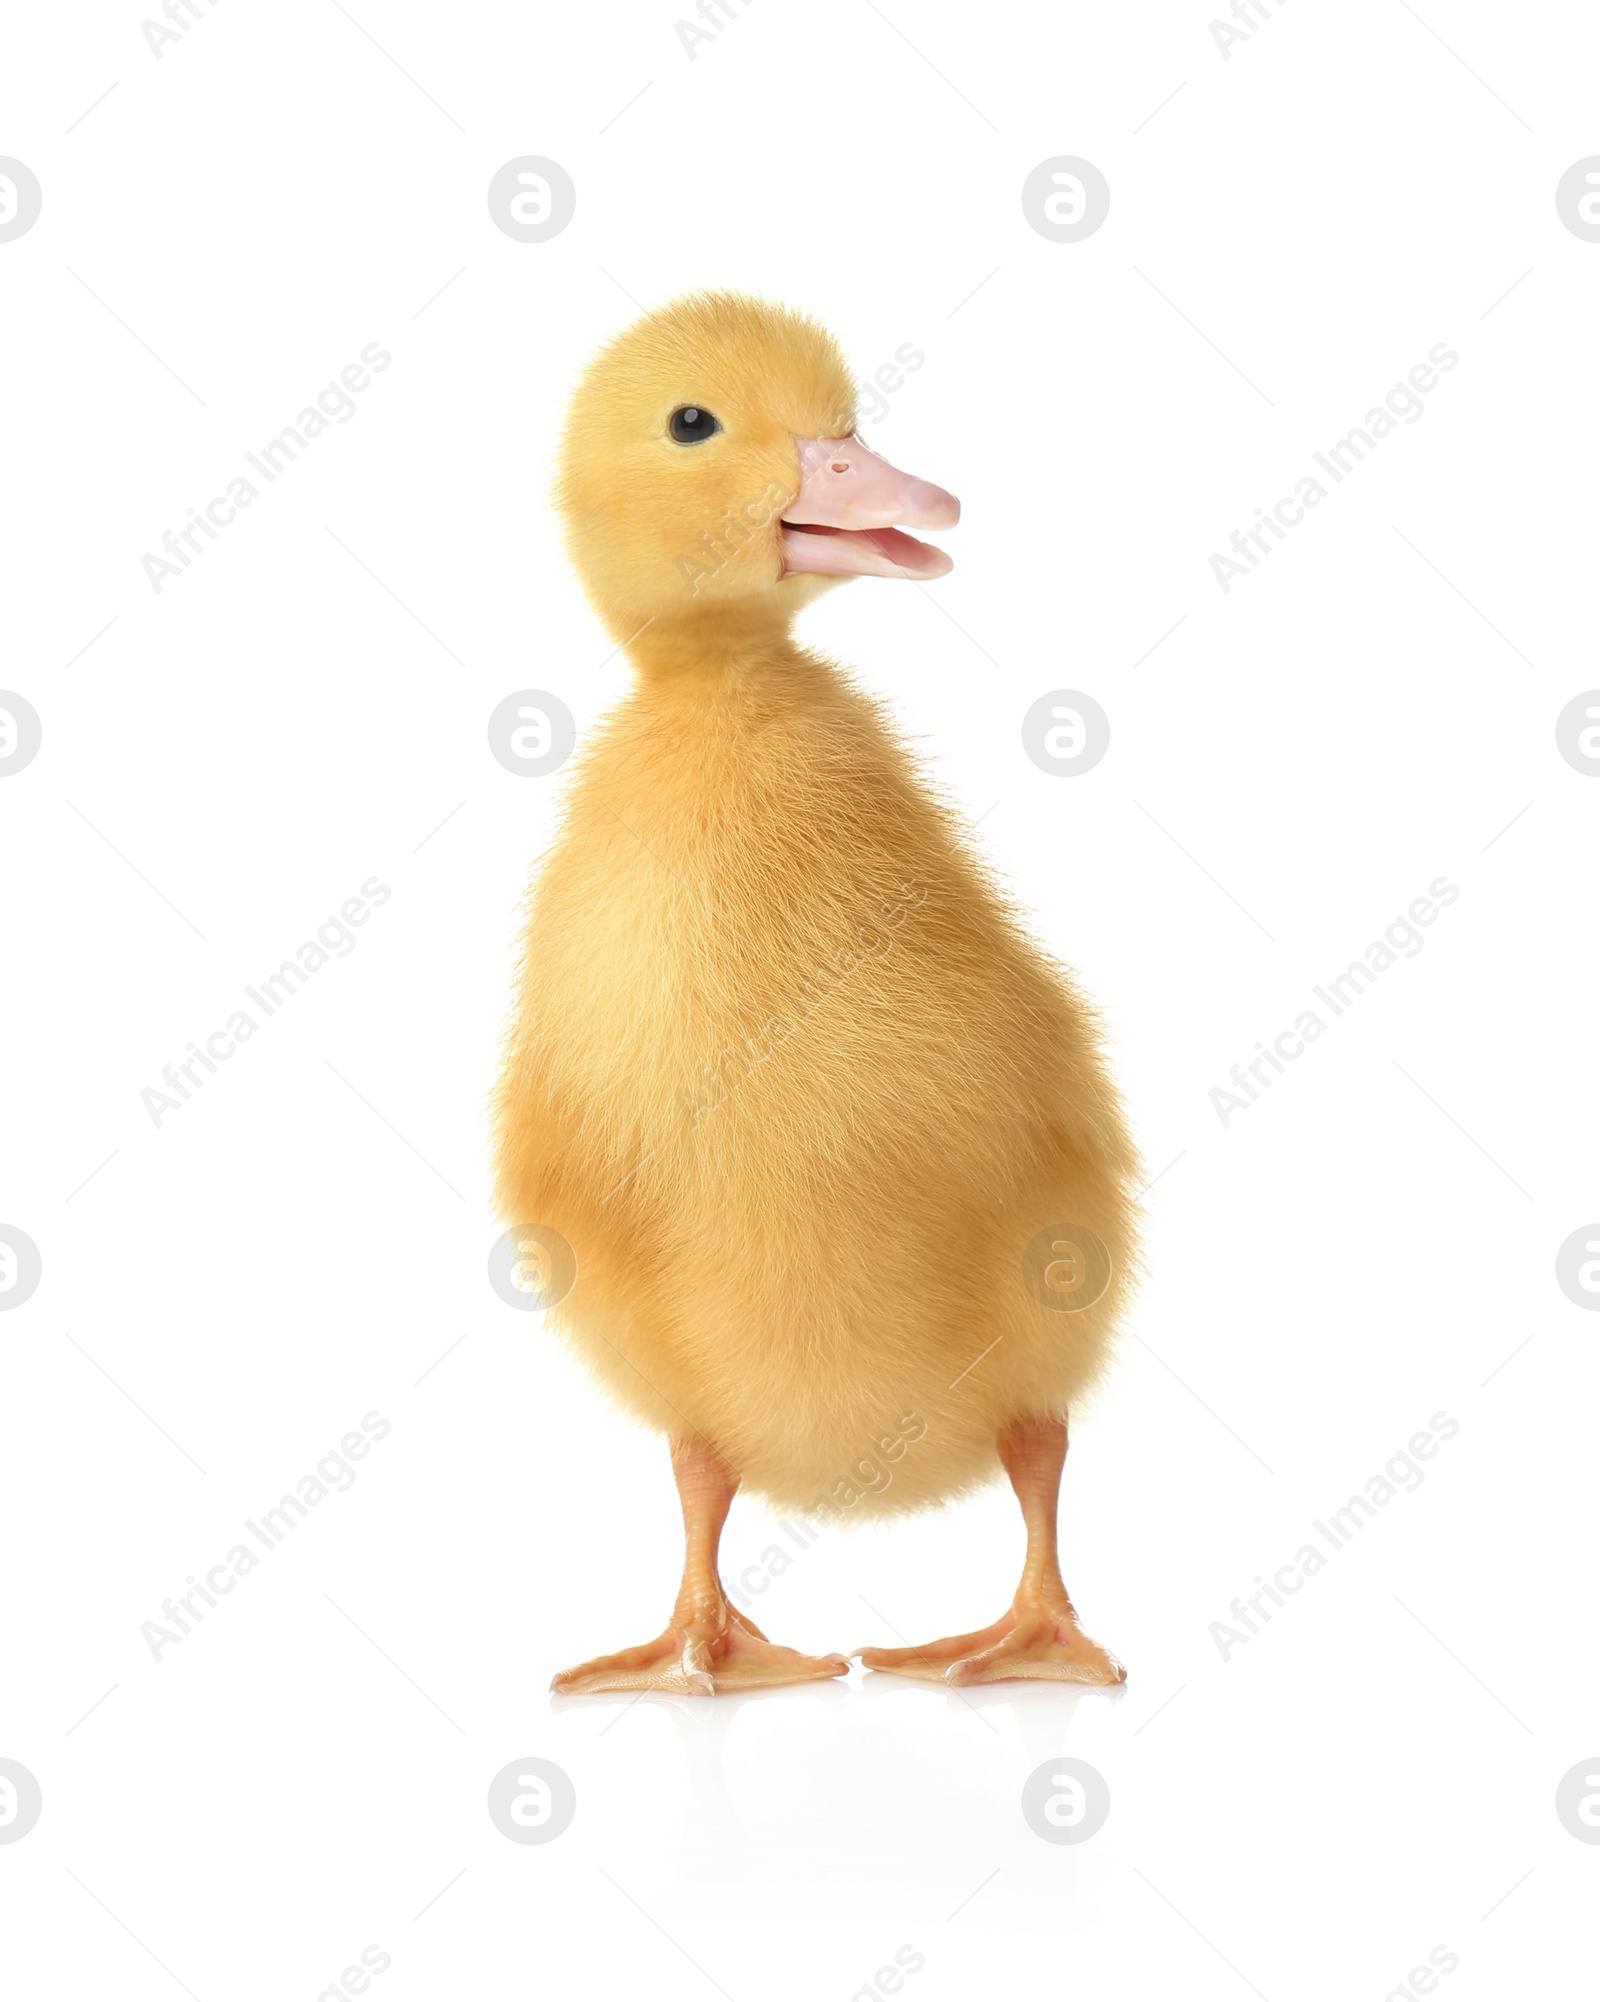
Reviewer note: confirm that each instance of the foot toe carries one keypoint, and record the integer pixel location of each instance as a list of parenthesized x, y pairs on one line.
[(696, 1661), (928, 1659), (1024, 1647)]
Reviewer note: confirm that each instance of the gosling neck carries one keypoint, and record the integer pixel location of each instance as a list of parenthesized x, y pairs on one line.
[(713, 640)]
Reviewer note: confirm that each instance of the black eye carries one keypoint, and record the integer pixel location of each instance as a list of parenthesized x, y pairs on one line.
[(692, 426)]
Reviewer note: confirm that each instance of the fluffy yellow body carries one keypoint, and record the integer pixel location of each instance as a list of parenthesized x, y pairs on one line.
[(791, 1079)]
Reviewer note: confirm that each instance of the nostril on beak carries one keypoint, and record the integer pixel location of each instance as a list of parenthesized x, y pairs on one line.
[(840, 466)]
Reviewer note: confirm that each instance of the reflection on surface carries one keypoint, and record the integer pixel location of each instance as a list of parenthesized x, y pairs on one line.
[(870, 1784)]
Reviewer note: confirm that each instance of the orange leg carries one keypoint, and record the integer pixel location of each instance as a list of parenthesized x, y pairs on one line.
[(1039, 1639), (707, 1645)]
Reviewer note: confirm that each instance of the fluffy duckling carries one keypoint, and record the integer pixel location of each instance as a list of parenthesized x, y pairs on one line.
[(833, 1142)]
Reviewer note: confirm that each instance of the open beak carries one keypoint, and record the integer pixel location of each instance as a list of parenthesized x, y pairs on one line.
[(846, 519)]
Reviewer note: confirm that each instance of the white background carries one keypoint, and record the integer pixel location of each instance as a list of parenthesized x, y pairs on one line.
[(1373, 1774)]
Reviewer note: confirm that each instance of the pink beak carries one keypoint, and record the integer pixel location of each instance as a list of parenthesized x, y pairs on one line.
[(843, 522)]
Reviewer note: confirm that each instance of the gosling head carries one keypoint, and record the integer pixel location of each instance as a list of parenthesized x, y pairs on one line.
[(710, 473)]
